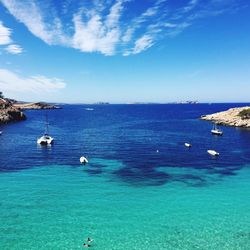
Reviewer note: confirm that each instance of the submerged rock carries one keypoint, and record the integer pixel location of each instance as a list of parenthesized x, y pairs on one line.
[(231, 117)]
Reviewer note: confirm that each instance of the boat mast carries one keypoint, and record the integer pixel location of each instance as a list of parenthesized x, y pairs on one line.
[(46, 125)]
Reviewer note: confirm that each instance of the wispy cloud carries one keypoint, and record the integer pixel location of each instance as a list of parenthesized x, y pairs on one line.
[(111, 26), (143, 43), (14, 49), (5, 34), (30, 14), (11, 81), (6, 41)]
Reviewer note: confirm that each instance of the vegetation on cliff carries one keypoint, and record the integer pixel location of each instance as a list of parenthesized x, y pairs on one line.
[(245, 114)]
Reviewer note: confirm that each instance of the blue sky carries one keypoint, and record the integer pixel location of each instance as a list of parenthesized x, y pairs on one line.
[(124, 51)]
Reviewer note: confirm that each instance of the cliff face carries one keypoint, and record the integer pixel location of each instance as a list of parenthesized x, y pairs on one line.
[(230, 117), (9, 113)]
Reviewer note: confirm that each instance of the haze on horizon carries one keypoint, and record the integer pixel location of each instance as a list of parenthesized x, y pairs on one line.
[(123, 51)]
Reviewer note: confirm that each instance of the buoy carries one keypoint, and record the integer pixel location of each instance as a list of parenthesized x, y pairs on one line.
[(83, 160), (157, 151), (213, 152), (188, 145)]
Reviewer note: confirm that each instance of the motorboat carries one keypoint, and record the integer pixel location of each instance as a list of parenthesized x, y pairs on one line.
[(46, 139), (213, 152), (188, 145), (216, 131)]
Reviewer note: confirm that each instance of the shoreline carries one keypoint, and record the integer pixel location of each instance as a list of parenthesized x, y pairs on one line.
[(231, 117), (12, 111)]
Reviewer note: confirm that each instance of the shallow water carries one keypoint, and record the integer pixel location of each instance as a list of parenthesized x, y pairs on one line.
[(57, 207), (129, 196)]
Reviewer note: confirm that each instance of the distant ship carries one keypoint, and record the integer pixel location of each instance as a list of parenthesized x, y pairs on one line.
[(46, 139)]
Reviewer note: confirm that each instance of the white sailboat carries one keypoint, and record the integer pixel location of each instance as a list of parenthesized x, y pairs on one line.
[(216, 131), (46, 139)]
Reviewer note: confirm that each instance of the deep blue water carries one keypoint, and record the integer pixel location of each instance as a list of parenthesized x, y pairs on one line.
[(142, 137)]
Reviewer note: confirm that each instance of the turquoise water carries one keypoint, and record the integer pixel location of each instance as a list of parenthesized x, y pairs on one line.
[(142, 189), (58, 206)]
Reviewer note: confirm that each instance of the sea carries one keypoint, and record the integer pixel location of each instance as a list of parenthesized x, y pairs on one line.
[(142, 188)]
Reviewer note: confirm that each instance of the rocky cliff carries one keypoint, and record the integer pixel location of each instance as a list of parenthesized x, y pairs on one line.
[(235, 117), (9, 113)]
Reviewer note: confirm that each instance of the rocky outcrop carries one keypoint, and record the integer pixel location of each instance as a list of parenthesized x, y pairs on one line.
[(35, 105), (9, 113), (231, 117)]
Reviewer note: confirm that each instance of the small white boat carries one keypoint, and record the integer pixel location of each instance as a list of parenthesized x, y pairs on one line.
[(84, 160), (89, 109), (46, 139), (1, 132), (216, 131), (213, 152), (188, 145)]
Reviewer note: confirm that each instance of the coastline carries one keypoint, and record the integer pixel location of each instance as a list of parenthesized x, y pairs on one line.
[(35, 105), (12, 111), (230, 117)]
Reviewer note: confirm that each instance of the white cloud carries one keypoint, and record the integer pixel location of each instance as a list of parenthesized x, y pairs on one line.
[(93, 36), (109, 26), (143, 43), (29, 13), (5, 40), (98, 34), (14, 49), (192, 4), (11, 81), (5, 35)]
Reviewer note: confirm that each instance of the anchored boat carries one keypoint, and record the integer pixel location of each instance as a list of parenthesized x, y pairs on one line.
[(216, 131), (83, 160), (46, 139), (213, 152)]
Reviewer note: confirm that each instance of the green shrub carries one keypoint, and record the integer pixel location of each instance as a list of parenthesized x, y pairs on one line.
[(245, 114)]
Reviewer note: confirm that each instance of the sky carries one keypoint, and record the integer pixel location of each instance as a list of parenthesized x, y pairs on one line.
[(125, 51)]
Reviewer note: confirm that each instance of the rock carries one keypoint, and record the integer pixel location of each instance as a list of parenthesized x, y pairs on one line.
[(229, 117), (9, 113)]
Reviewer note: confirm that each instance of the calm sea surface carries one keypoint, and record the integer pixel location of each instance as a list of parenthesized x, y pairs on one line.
[(142, 189)]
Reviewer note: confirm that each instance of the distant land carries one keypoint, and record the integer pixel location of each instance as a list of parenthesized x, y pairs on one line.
[(180, 102), (35, 105), (12, 110)]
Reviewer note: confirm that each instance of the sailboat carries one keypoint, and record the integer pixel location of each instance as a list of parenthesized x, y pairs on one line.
[(46, 139), (216, 131)]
